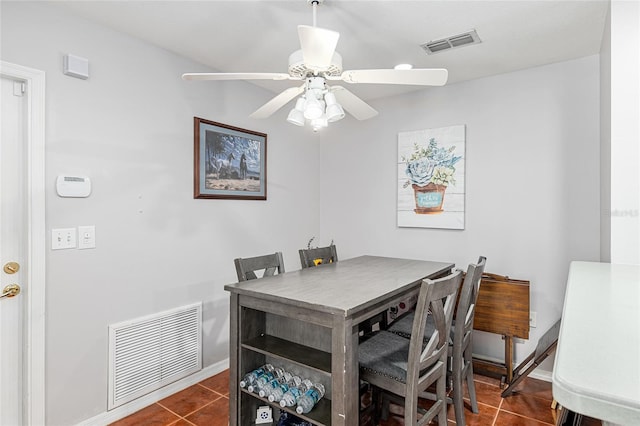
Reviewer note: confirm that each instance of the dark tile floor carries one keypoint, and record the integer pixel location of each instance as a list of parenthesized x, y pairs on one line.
[(207, 403)]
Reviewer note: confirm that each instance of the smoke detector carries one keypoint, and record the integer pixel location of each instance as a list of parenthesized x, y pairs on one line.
[(459, 40)]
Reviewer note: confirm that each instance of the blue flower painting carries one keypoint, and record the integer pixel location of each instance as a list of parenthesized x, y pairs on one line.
[(431, 178)]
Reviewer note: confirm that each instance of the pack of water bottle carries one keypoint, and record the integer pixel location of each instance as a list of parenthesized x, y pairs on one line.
[(278, 385)]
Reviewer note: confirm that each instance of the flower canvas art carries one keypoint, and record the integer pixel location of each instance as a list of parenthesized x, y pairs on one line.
[(431, 178)]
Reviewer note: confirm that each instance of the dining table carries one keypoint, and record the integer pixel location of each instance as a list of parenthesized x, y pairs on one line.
[(597, 364), (307, 322)]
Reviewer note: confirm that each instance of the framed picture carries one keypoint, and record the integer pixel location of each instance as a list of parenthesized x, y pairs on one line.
[(229, 162), (431, 175)]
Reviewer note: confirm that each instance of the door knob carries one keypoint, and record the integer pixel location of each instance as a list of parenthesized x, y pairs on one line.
[(10, 291), (11, 267)]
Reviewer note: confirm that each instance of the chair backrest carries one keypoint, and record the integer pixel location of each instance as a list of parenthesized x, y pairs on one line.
[(315, 256), (466, 308), (246, 268), (437, 298)]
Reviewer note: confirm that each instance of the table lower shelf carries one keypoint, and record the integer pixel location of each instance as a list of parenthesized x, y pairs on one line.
[(320, 415)]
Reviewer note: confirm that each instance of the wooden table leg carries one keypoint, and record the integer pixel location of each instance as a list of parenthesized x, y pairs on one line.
[(508, 357)]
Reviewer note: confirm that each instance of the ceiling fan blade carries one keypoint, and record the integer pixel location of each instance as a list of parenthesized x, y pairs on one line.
[(353, 104), (277, 102), (318, 46), (420, 77), (236, 76)]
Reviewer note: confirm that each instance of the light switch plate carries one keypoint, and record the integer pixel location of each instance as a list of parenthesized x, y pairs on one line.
[(86, 237), (63, 238)]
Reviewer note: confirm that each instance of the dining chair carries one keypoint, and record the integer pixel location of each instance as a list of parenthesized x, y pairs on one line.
[(460, 341), (315, 256), (407, 367), (246, 267)]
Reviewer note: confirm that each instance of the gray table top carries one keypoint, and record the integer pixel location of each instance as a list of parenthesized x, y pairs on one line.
[(345, 287)]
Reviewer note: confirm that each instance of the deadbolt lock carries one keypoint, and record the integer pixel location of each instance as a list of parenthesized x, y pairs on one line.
[(11, 267)]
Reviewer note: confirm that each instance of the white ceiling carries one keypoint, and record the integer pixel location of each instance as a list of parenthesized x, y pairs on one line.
[(258, 36)]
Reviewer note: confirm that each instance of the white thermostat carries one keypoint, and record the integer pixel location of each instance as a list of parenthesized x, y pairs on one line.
[(73, 186)]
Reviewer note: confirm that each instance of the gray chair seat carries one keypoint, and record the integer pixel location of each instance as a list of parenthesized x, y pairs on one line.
[(386, 353), (402, 326)]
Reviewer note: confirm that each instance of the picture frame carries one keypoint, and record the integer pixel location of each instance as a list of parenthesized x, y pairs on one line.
[(431, 178), (229, 162)]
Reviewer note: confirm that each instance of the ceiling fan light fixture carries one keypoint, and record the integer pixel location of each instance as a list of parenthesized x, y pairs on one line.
[(403, 67), (319, 123), (312, 108), (335, 111), (296, 115), (300, 104)]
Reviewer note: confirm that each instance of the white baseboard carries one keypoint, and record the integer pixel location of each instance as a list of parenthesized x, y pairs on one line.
[(123, 411), (541, 375), (537, 373)]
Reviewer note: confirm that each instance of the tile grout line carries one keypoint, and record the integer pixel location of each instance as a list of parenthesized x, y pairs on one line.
[(182, 418), (209, 389), (527, 417), (495, 419), (190, 413), (219, 396), (171, 411)]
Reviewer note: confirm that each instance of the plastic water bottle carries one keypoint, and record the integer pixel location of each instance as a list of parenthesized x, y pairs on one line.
[(291, 396), (252, 376), (277, 394), (274, 384), (263, 380), (310, 398)]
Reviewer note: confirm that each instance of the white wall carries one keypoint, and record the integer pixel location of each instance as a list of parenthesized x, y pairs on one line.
[(532, 179), (605, 141), (624, 136), (130, 128)]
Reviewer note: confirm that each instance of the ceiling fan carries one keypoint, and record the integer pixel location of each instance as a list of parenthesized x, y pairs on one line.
[(316, 64)]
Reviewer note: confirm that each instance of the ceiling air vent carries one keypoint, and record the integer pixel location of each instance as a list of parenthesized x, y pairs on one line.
[(464, 39)]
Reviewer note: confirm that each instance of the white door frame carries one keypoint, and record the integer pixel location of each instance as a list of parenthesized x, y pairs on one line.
[(34, 331)]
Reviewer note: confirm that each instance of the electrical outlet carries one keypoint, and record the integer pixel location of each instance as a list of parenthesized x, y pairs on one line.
[(532, 319), (264, 415)]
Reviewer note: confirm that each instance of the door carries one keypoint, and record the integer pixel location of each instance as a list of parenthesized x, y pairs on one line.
[(13, 257), (22, 241)]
